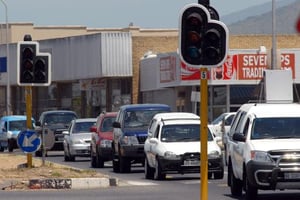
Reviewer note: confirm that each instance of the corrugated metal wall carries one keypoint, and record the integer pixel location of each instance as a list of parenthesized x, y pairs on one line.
[(83, 57)]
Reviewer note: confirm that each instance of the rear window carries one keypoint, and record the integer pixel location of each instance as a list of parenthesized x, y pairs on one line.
[(59, 118)]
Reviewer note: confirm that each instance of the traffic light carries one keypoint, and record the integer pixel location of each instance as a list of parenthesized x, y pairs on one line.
[(33, 67), (202, 41)]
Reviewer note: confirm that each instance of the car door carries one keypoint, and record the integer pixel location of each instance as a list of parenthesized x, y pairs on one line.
[(153, 146)]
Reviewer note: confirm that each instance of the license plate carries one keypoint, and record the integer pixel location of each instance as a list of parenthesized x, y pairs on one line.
[(292, 175), (192, 162)]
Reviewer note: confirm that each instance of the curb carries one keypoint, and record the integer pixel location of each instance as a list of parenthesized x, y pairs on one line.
[(72, 183), (64, 183)]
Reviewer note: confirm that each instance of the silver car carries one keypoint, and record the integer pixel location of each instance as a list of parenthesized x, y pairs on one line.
[(77, 139)]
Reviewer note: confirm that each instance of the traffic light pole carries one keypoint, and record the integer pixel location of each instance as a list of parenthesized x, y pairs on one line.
[(203, 134), (28, 94)]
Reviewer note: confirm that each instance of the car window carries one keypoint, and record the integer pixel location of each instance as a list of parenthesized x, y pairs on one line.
[(107, 124), (229, 120), (17, 125), (82, 127), (275, 128), (156, 134), (57, 118), (181, 133)]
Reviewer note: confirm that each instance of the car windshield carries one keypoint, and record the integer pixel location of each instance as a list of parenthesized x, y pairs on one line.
[(17, 125), (275, 128), (107, 124), (219, 119), (59, 118), (83, 127), (182, 133), (139, 118)]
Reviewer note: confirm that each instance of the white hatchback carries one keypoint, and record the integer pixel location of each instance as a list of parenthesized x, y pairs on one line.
[(173, 146)]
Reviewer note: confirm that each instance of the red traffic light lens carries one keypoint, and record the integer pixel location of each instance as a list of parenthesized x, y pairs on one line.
[(194, 37)]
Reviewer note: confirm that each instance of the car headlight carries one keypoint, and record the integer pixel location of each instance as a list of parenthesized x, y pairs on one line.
[(260, 156), (129, 140), (105, 143), (9, 134), (214, 154), (77, 142), (171, 155)]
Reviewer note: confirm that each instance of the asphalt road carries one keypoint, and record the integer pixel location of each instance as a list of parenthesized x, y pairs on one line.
[(175, 187)]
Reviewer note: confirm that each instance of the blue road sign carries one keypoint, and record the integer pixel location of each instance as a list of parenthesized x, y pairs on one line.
[(29, 141)]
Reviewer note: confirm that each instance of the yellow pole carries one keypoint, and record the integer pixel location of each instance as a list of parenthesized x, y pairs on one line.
[(28, 94), (203, 134)]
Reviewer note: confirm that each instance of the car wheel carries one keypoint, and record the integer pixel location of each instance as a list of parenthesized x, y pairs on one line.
[(116, 165), (149, 171), (66, 157), (38, 153), (209, 176), (158, 175), (99, 160), (236, 185), (251, 192), (219, 175), (10, 146), (125, 164)]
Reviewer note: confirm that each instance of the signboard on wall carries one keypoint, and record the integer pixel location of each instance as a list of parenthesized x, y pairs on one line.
[(240, 67)]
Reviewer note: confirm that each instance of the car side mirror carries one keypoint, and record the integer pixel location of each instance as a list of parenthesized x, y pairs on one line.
[(93, 129), (116, 125), (239, 137), (65, 133)]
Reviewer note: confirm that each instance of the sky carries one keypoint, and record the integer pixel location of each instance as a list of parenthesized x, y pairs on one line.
[(109, 13)]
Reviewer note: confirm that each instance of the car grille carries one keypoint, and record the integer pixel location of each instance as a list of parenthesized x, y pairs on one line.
[(191, 156), (286, 158), (142, 139)]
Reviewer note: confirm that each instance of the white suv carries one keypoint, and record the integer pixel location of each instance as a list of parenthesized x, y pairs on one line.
[(263, 149), (173, 146)]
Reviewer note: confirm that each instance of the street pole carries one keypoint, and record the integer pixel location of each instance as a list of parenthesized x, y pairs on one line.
[(7, 63), (274, 45), (203, 134)]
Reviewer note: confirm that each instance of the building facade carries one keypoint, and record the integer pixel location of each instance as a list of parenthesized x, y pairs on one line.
[(90, 93)]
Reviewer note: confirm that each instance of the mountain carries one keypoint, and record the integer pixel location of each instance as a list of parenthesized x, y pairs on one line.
[(258, 19)]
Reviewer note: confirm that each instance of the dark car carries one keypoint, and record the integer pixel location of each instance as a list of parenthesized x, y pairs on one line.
[(130, 133), (102, 136), (53, 123)]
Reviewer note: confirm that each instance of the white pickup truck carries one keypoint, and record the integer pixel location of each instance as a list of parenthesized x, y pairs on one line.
[(263, 148)]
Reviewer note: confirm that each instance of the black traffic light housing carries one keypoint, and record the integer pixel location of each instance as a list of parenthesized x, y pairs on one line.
[(203, 42), (33, 67)]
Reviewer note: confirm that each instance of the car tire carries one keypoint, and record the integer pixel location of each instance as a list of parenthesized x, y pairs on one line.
[(38, 153), (1, 148), (158, 175), (125, 165), (251, 192), (116, 165), (10, 145), (219, 175), (99, 160), (66, 157), (149, 171), (236, 185)]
